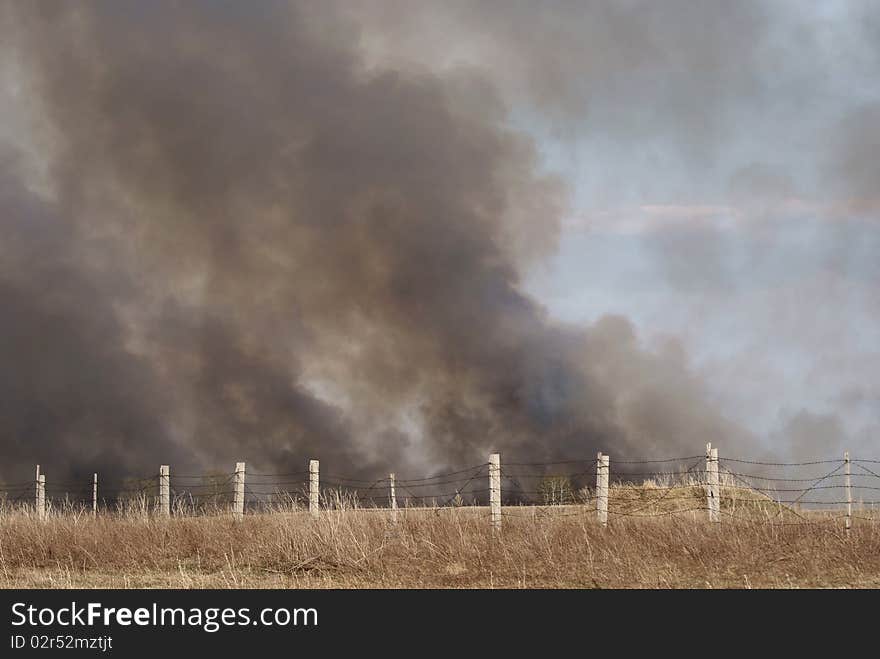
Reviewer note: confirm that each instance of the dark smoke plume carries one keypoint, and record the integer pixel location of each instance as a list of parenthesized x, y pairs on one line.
[(246, 245)]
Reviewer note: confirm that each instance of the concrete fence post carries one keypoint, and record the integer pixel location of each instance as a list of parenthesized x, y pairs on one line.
[(238, 493), (495, 491), (314, 487), (713, 493), (847, 483), (95, 494), (603, 467), (392, 493), (41, 496), (37, 491), (165, 490)]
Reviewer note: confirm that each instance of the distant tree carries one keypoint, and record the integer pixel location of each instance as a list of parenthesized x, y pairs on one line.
[(555, 490)]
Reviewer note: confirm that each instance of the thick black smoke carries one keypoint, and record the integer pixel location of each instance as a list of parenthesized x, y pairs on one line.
[(248, 246)]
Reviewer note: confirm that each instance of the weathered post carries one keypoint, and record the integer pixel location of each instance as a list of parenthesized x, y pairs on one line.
[(95, 494), (495, 491), (313, 487), (603, 466), (37, 492), (393, 498), (847, 482), (41, 496), (165, 490), (713, 502), (238, 494)]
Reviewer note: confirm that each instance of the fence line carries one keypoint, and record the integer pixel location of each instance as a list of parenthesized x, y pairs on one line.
[(719, 492)]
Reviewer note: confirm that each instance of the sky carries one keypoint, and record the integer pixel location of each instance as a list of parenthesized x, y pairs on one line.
[(377, 228), (722, 187)]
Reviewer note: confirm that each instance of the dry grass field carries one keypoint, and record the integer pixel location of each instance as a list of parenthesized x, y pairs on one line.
[(553, 547)]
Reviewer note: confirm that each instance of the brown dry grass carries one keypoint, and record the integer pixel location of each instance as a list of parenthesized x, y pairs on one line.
[(448, 548)]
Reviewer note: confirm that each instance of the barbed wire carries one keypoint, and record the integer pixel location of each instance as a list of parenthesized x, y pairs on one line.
[(870, 473), (782, 464), (548, 464), (687, 458), (814, 485), (780, 479), (666, 513), (443, 475), (529, 484)]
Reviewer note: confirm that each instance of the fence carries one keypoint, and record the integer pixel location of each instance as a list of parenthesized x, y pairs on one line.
[(721, 489)]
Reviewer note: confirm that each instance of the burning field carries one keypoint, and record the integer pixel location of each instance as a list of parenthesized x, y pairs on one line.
[(310, 230)]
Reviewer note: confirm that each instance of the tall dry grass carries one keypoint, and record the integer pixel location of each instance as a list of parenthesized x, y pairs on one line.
[(559, 546)]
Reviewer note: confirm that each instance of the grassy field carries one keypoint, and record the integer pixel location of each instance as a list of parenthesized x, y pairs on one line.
[(561, 546)]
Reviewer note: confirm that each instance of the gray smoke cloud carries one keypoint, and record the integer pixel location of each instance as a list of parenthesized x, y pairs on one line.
[(633, 69), (248, 243)]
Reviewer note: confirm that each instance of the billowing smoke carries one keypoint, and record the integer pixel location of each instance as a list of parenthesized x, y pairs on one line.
[(233, 240)]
